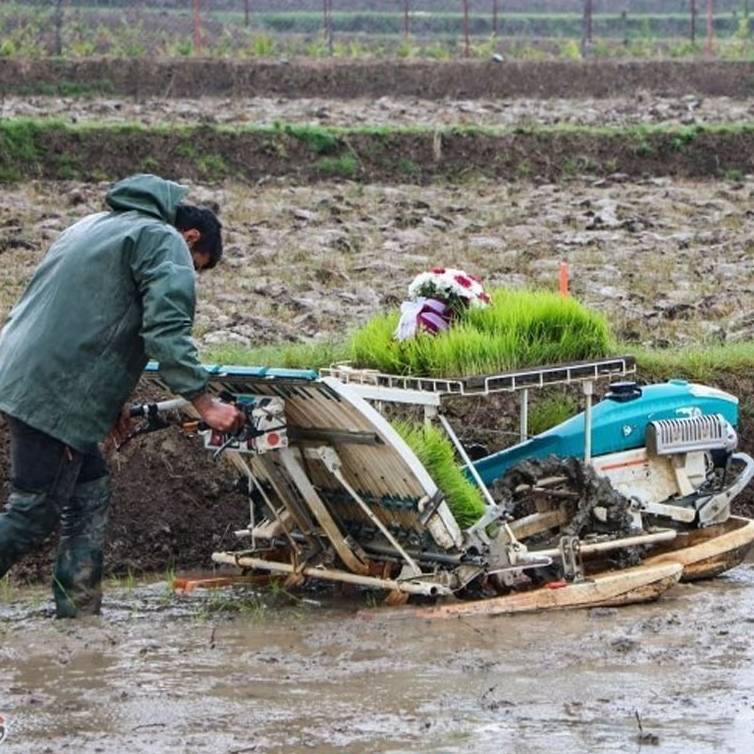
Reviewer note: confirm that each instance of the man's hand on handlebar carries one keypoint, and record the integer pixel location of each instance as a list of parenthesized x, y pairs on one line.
[(223, 417)]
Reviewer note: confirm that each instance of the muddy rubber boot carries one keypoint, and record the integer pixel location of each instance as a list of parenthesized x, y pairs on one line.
[(77, 577), (28, 520)]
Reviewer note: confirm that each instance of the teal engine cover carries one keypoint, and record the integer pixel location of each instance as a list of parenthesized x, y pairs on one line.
[(616, 426)]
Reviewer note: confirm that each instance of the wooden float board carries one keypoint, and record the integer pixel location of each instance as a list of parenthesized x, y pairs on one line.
[(642, 583), (705, 553)]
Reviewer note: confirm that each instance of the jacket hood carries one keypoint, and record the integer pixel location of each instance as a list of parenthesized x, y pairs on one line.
[(148, 194)]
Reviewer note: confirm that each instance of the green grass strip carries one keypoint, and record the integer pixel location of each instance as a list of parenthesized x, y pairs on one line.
[(436, 454), (328, 139), (307, 355), (701, 363)]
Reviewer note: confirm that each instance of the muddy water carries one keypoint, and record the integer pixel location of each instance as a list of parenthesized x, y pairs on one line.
[(161, 673)]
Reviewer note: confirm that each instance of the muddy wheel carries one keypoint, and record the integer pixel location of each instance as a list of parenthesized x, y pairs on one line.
[(555, 497)]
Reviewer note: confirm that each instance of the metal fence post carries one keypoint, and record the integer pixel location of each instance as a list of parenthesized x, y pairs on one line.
[(59, 12), (710, 29), (692, 10), (466, 46), (494, 17), (246, 13), (586, 37), (329, 27), (327, 22), (197, 27), (406, 18)]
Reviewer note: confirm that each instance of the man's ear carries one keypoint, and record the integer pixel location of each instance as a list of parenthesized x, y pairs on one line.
[(191, 236)]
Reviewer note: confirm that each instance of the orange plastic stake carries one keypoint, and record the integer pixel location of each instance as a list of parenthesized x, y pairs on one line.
[(564, 279)]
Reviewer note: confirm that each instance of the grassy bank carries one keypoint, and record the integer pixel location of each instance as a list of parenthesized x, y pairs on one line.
[(52, 149)]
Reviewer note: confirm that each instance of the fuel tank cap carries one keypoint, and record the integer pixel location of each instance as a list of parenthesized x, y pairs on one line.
[(622, 392)]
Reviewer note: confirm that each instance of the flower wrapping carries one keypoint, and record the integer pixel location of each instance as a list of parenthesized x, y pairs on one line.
[(427, 314)]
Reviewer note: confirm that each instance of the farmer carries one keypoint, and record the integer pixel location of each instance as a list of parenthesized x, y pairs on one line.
[(116, 289)]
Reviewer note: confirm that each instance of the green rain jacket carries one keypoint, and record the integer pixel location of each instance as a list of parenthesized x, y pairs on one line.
[(115, 289)]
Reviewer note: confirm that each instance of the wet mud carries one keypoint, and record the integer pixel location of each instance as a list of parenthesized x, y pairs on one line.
[(165, 673), (643, 108), (668, 261)]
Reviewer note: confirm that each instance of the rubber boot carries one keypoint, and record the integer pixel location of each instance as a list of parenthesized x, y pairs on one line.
[(77, 576), (29, 518)]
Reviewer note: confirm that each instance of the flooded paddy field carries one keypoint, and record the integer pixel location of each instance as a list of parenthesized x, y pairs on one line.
[(160, 672)]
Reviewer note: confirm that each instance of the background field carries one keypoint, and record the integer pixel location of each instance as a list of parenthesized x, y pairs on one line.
[(357, 28)]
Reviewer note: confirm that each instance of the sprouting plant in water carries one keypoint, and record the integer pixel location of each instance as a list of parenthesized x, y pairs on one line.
[(7, 590)]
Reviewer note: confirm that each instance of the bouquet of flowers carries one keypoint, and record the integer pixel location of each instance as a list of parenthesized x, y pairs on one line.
[(436, 298)]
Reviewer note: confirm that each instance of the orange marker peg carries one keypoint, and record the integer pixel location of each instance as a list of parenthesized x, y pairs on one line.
[(564, 279)]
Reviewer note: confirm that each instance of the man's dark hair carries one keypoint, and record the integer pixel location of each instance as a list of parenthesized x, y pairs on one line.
[(189, 217)]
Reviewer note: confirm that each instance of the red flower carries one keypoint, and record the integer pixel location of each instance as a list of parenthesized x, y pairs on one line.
[(463, 280), (438, 270), (484, 297)]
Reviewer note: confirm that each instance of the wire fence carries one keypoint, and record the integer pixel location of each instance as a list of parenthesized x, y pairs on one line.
[(459, 21)]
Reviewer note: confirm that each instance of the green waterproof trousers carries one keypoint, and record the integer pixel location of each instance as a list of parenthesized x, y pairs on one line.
[(52, 484)]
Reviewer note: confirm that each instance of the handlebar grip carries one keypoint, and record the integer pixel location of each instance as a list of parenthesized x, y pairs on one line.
[(151, 409)]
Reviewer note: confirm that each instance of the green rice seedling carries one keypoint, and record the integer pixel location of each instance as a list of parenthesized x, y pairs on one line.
[(7, 592), (518, 329), (169, 579), (130, 581), (436, 454)]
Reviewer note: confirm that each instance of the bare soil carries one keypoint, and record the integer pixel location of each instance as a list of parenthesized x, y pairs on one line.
[(669, 261), (347, 79), (643, 108)]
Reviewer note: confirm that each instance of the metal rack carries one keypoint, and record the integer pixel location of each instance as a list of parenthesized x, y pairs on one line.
[(376, 384), (428, 391)]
